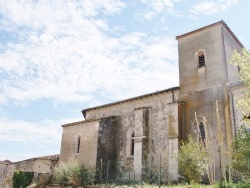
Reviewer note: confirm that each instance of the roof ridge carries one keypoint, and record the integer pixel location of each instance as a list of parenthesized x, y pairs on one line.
[(79, 122), (129, 99), (210, 26)]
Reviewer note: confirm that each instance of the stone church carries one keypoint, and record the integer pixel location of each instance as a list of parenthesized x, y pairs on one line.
[(137, 135)]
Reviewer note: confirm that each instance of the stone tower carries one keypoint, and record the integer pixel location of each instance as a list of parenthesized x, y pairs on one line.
[(204, 72)]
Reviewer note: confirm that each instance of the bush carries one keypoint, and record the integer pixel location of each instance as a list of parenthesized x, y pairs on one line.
[(242, 185), (241, 155), (225, 184), (73, 173), (22, 179), (192, 160)]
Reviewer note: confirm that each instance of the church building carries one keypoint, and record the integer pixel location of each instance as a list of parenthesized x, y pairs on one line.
[(136, 136)]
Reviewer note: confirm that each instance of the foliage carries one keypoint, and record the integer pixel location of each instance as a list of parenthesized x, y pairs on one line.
[(73, 173), (192, 160), (225, 184), (243, 185), (241, 155), (241, 145), (242, 59), (154, 177), (21, 179)]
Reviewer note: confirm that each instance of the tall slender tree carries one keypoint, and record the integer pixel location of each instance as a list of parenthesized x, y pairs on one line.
[(242, 59)]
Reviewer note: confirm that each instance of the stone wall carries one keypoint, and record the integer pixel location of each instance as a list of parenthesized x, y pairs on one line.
[(88, 133), (6, 173), (37, 165), (154, 122), (107, 147)]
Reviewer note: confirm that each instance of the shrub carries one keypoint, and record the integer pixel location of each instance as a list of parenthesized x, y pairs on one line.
[(242, 185), (225, 184), (22, 179), (192, 160), (73, 173), (241, 154)]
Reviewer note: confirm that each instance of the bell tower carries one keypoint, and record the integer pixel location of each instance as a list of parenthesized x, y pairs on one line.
[(204, 70)]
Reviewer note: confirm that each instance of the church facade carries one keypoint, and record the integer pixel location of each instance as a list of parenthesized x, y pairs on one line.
[(136, 136)]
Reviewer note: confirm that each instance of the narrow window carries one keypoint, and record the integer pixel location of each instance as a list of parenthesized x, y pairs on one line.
[(78, 144), (202, 132), (132, 144), (201, 59)]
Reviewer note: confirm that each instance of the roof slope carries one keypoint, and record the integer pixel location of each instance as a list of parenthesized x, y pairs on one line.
[(130, 99), (210, 26), (47, 157)]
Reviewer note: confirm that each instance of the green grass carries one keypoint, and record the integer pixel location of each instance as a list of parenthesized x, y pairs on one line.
[(163, 186)]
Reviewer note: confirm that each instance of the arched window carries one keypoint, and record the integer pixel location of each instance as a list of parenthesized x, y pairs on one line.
[(202, 135), (132, 144), (201, 59), (78, 142)]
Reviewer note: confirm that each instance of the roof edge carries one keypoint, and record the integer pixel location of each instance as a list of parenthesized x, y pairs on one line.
[(222, 22), (199, 29), (79, 122), (129, 99), (54, 157)]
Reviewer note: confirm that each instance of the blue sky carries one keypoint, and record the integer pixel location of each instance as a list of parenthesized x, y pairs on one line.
[(59, 57)]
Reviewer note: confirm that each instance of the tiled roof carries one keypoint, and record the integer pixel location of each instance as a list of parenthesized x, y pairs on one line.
[(210, 26), (48, 157), (79, 122), (7, 161), (130, 99)]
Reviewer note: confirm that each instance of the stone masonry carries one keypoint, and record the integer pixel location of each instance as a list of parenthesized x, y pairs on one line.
[(136, 134)]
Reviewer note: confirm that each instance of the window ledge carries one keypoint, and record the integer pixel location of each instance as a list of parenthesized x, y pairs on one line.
[(203, 66)]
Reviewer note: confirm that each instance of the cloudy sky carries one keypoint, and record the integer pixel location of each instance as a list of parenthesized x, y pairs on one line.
[(59, 57)]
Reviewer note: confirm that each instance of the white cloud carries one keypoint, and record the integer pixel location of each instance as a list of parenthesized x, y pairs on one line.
[(65, 51), (212, 7), (41, 133), (155, 7)]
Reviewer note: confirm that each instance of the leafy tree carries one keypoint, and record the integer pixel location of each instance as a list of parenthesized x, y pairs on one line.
[(22, 179), (192, 160), (241, 155), (242, 59)]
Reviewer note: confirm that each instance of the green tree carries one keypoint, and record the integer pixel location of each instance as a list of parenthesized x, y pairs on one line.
[(22, 179), (192, 160), (242, 59), (241, 145), (241, 155)]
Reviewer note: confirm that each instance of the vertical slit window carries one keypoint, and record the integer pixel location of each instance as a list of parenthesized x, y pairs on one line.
[(132, 144), (78, 142), (202, 131)]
